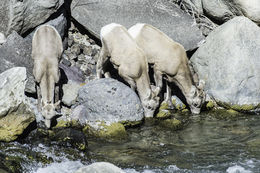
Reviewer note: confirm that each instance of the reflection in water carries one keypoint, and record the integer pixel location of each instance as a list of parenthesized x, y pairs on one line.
[(205, 144)]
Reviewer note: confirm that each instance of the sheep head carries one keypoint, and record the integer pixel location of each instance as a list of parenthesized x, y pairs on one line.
[(48, 112), (196, 97)]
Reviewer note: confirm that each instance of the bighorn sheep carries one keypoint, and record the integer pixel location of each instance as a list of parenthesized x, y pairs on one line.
[(47, 49), (169, 58), (130, 61)]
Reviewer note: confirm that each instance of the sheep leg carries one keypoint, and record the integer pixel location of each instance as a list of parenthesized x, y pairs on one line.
[(168, 98), (158, 81), (39, 98), (101, 62), (56, 96)]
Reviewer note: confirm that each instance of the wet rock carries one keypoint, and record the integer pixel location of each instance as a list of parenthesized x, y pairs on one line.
[(70, 138), (224, 10), (3, 171), (14, 124), (70, 93), (226, 114), (229, 63), (100, 167), (165, 111), (10, 164), (108, 131), (15, 115), (173, 124), (107, 100), (21, 16), (163, 114), (160, 13)]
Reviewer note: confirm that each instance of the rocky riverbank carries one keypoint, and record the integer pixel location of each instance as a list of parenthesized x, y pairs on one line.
[(223, 46)]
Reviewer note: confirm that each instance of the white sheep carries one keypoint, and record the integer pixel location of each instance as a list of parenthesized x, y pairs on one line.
[(47, 49), (169, 58), (130, 61)]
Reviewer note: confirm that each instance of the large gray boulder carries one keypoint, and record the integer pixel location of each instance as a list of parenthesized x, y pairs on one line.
[(223, 10), (229, 62), (109, 101), (21, 16), (100, 167), (162, 14), (16, 51), (15, 115)]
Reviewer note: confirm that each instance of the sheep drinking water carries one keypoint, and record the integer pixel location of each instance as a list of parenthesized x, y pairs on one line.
[(46, 52), (130, 61), (169, 58)]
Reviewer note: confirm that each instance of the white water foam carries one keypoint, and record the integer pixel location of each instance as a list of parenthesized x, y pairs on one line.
[(170, 168), (237, 169), (63, 167)]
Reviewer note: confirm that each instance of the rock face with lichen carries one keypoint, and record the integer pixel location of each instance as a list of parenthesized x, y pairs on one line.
[(105, 103), (15, 115), (229, 63)]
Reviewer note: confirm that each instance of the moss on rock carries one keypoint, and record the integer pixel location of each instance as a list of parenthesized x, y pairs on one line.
[(173, 124), (163, 114), (243, 108), (164, 106), (102, 130), (225, 114), (179, 106), (239, 108), (131, 123), (14, 124), (66, 124), (210, 105)]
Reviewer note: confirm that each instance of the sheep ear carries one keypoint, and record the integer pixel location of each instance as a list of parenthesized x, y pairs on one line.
[(56, 104), (201, 85)]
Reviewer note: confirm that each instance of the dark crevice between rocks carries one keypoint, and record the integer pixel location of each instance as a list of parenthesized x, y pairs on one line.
[(31, 95), (190, 53), (32, 126), (84, 31)]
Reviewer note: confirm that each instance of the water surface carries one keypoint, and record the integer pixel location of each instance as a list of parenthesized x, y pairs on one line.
[(206, 143)]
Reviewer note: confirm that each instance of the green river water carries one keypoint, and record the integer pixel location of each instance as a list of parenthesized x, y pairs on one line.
[(207, 143)]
